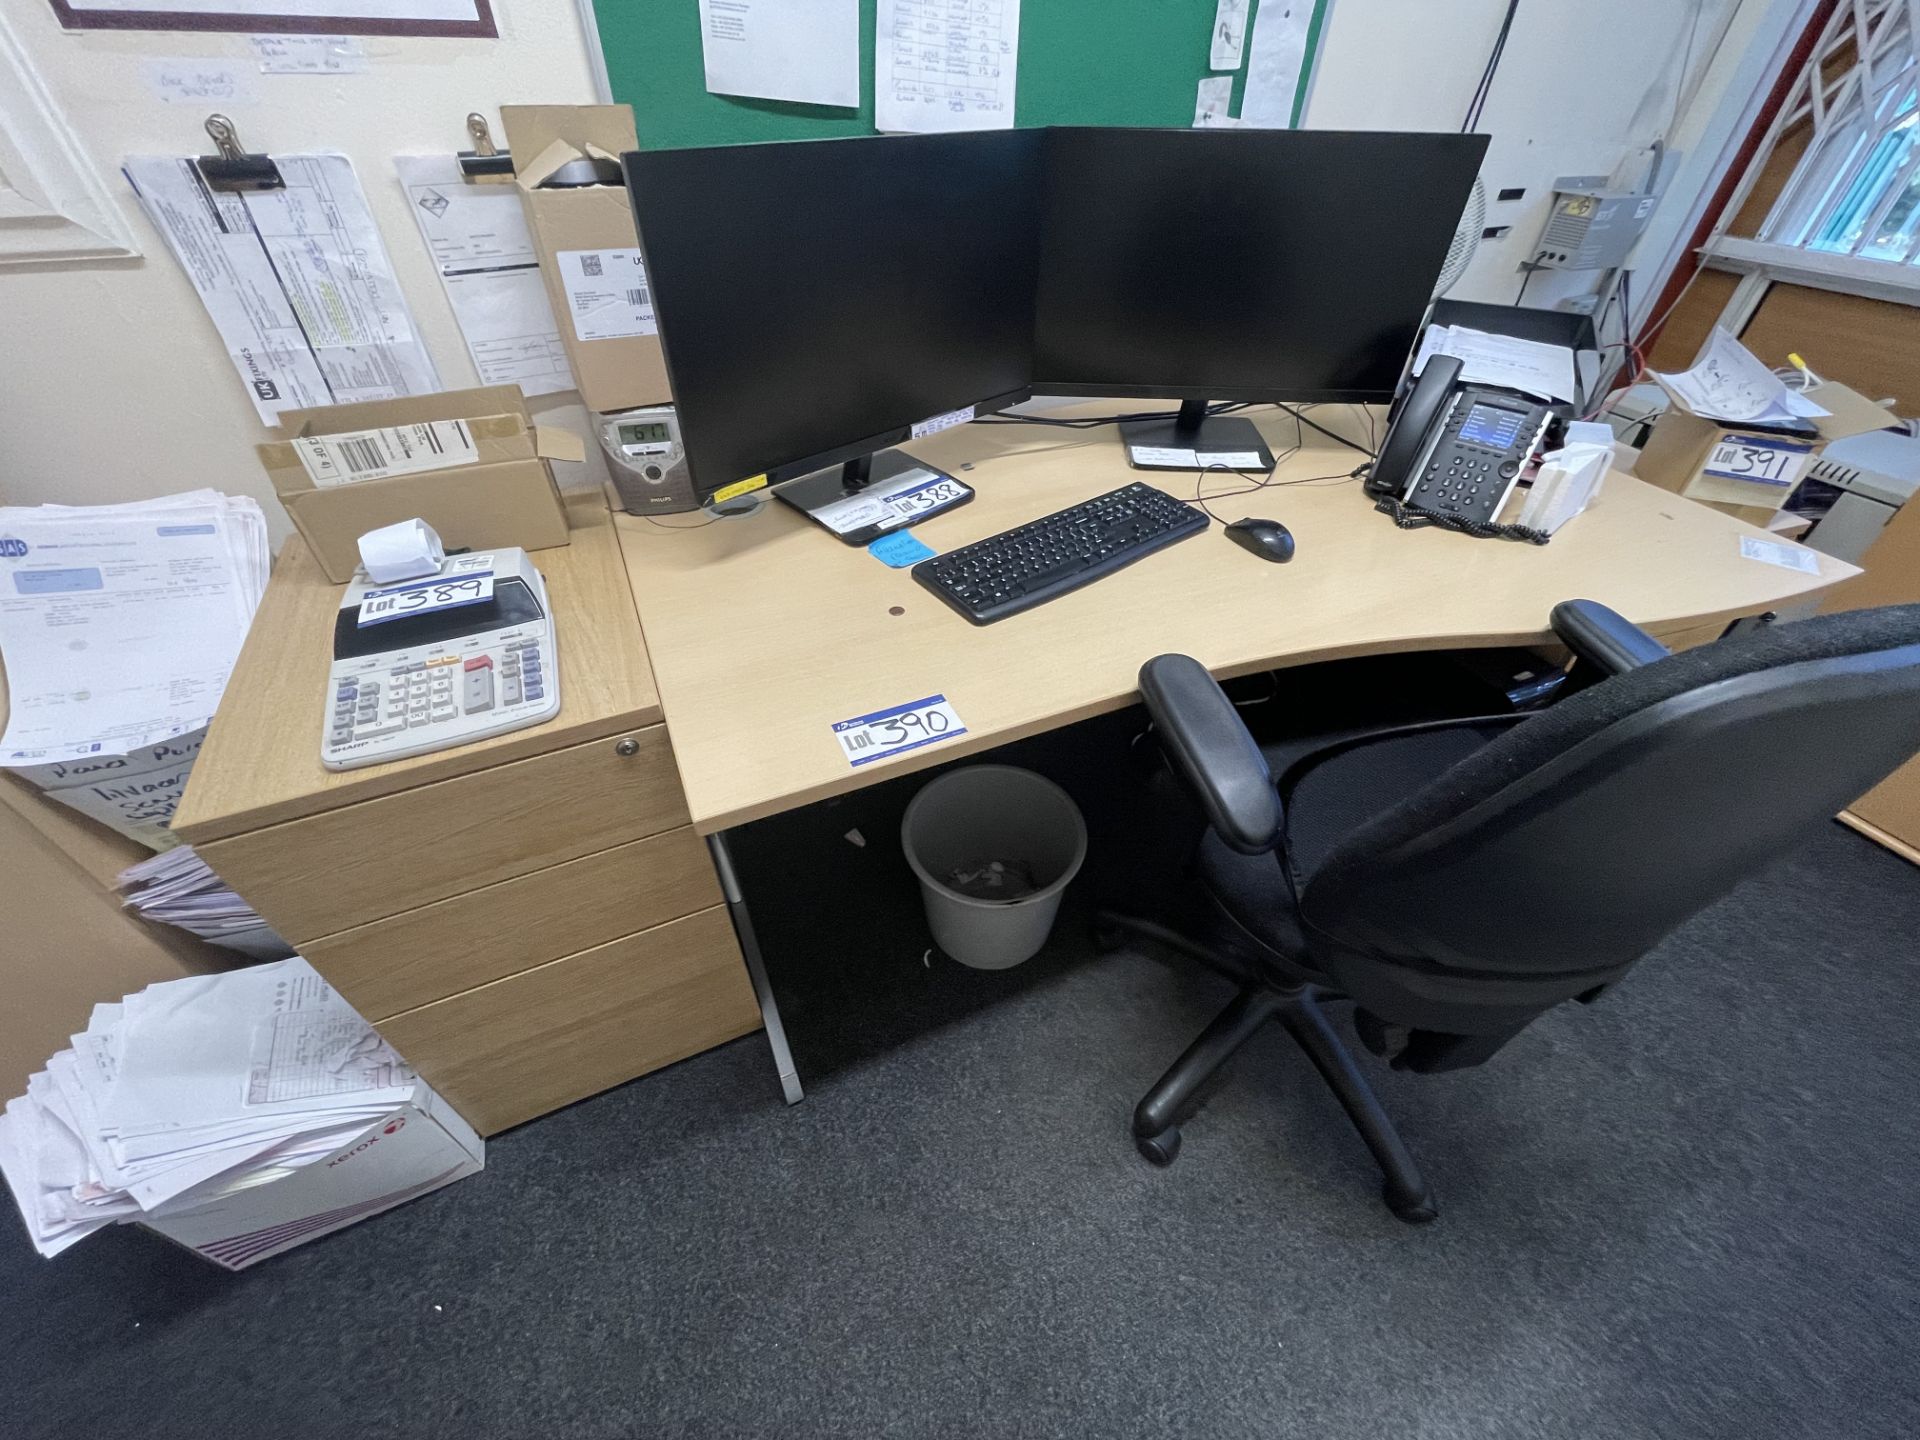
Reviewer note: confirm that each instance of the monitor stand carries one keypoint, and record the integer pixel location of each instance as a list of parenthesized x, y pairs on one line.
[(1195, 440), (900, 489)]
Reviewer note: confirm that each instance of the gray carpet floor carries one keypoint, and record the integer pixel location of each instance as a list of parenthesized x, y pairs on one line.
[(1685, 1212)]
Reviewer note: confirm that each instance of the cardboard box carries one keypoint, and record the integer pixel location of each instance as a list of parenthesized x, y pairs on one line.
[(1749, 474), (414, 1150), (503, 495), (590, 251)]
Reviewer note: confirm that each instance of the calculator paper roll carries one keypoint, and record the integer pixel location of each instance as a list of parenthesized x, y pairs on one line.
[(401, 552)]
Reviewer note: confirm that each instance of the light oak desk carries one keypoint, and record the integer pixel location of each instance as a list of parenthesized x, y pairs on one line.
[(764, 631)]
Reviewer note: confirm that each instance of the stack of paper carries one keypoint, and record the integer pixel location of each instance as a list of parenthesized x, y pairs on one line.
[(119, 625), (1730, 383), (1530, 366), (189, 1091), (176, 887)]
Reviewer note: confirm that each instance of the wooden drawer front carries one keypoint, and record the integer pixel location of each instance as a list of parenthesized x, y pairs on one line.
[(423, 955), (365, 862), (535, 1041)]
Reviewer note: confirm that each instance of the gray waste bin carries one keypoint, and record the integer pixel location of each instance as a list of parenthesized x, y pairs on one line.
[(985, 828)]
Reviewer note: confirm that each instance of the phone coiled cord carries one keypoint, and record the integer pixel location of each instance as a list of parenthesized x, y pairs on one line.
[(1418, 517)]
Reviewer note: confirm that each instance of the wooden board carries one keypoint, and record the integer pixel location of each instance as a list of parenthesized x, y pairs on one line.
[(764, 631), (535, 1041), (69, 946), (365, 862), (261, 763), (485, 935), (1872, 345)]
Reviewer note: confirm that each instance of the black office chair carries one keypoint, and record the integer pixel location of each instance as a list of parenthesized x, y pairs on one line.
[(1459, 878)]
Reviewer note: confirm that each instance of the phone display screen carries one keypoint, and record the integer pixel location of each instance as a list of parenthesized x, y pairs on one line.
[(1491, 426)]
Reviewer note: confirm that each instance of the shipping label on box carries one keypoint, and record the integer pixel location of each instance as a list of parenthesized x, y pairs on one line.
[(607, 293), (358, 455)]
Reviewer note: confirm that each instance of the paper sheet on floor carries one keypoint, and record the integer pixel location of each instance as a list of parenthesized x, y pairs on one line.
[(806, 51), (296, 280), (940, 66), (191, 1090), (477, 234)]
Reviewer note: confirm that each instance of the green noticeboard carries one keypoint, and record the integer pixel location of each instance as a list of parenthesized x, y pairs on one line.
[(1082, 62)]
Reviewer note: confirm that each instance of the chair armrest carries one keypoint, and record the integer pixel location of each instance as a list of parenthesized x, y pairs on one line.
[(1212, 752), (1603, 638)]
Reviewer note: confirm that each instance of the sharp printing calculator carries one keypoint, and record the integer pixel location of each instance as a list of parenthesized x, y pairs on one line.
[(427, 664)]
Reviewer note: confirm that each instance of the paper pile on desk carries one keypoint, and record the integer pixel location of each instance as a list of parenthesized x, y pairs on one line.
[(196, 1102), (1730, 383), (119, 625), (176, 887), (1530, 366)]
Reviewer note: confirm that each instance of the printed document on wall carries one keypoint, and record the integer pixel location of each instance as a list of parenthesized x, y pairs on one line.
[(801, 50), (944, 65), (1229, 34), (296, 281), (1277, 73), (478, 237)]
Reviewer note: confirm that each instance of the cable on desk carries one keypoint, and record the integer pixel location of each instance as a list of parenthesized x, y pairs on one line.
[(1418, 517), (1331, 435)]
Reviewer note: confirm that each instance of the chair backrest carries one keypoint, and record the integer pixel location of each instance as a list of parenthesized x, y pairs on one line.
[(1550, 860)]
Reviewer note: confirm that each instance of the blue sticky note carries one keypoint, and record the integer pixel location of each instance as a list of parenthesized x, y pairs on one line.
[(899, 549)]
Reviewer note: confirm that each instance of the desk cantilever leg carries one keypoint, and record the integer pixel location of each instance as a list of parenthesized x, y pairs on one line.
[(750, 948)]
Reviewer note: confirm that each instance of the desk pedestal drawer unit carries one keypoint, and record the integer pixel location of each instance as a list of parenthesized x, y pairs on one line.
[(529, 919)]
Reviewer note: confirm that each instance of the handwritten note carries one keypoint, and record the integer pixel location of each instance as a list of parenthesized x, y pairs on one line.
[(197, 82), (942, 65), (309, 54)]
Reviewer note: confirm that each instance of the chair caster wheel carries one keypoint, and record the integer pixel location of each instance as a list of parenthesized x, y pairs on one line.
[(1162, 1149), (1419, 1210)]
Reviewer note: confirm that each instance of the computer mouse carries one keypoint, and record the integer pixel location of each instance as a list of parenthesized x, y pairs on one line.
[(1268, 539)]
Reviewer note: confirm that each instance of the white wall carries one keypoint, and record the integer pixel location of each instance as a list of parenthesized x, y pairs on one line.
[(112, 384), (1583, 85)]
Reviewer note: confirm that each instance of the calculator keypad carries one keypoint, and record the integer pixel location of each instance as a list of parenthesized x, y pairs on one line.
[(422, 694)]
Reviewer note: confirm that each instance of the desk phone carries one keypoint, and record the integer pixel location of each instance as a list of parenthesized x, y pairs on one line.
[(1456, 451), (427, 664)]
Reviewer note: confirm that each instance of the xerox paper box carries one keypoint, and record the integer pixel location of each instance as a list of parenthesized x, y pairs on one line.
[(414, 1150)]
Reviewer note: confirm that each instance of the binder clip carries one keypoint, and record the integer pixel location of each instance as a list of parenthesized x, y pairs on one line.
[(233, 169), (484, 161)]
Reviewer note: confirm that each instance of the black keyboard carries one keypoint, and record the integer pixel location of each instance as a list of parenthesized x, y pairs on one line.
[(1027, 566)]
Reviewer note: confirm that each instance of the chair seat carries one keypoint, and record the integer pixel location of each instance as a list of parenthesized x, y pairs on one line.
[(1325, 798)]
